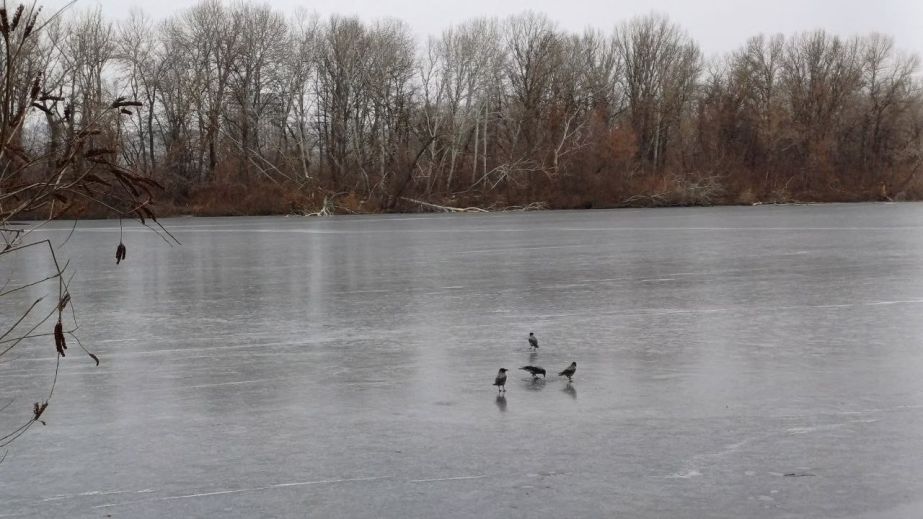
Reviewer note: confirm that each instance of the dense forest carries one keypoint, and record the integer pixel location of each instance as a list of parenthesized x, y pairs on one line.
[(242, 109)]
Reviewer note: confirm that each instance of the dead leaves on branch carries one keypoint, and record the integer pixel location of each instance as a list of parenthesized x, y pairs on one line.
[(37, 410), (122, 102), (87, 169), (119, 253), (86, 165)]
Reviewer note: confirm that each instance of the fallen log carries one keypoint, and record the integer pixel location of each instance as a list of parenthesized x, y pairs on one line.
[(445, 208)]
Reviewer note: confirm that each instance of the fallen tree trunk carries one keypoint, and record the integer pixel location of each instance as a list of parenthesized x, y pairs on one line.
[(445, 208)]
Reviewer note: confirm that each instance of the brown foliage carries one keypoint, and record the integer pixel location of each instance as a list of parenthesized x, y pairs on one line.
[(236, 199)]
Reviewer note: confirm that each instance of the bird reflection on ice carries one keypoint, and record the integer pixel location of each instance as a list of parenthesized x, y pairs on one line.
[(535, 384)]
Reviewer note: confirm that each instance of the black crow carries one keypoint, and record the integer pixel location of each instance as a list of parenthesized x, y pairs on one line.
[(569, 372), (534, 370), (533, 341), (500, 381)]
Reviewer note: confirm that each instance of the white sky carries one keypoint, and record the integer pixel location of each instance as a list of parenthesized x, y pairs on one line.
[(718, 25)]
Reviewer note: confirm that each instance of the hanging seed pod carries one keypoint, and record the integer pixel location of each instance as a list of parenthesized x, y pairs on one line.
[(31, 24), (120, 253), (121, 102), (36, 88), (64, 300), (59, 342), (17, 16)]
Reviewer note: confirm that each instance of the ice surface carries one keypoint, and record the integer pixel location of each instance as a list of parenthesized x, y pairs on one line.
[(342, 367)]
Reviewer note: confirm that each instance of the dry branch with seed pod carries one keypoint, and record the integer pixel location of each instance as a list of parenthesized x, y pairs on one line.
[(80, 168)]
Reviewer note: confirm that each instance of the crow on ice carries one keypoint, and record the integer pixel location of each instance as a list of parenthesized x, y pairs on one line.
[(569, 372), (534, 370), (500, 381), (533, 341)]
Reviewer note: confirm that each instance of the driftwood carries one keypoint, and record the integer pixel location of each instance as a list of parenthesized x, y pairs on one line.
[(534, 206), (655, 200), (445, 208), (328, 209)]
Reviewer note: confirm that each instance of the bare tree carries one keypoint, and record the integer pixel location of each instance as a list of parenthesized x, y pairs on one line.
[(661, 66), (299, 103), (139, 54)]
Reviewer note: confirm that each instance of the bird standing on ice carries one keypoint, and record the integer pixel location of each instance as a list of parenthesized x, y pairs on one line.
[(569, 372), (534, 370), (533, 341), (500, 381)]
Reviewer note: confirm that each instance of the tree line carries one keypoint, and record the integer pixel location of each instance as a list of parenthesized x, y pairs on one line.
[(244, 109)]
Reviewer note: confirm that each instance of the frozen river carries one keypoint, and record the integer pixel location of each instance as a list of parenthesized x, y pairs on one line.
[(732, 362)]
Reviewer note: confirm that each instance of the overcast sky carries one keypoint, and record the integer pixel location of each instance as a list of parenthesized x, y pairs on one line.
[(718, 25)]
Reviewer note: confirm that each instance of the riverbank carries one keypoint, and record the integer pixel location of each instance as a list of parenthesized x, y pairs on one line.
[(289, 198), (232, 199)]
